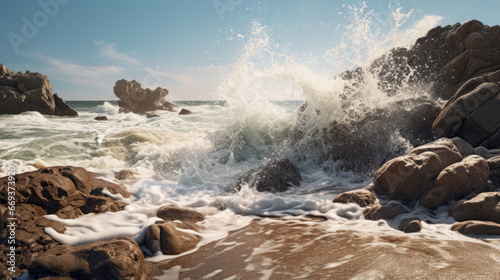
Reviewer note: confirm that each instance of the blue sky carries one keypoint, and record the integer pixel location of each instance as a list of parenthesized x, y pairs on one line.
[(185, 46)]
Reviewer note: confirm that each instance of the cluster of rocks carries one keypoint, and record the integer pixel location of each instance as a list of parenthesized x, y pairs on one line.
[(463, 164), (69, 192), (29, 92)]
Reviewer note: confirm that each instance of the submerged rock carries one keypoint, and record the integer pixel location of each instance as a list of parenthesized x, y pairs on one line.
[(361, 197), (277, 175), (388, 211), (133, 98), (477, 228), (120, 258), (29, 92)]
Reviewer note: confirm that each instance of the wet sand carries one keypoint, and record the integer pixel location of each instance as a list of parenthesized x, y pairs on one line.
[(291, 249)]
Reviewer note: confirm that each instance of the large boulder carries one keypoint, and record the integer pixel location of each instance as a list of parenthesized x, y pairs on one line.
[(120, 258), (408, 177), (65, 191), (277, 175), (29, 92), (484, 207), (477, 228), (473, 113), (457, 180), (133, 98)]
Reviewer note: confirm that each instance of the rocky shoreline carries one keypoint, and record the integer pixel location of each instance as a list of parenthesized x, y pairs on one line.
[(455, 166)]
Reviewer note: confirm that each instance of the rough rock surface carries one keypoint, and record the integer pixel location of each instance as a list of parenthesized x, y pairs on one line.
[(29, 92), (484, 207), (65, 191), (277, 175), (494, 165), (185, 112), (407, 177), (133, 98), (459, 179), (120, 258), (361, 197), (477, 228), (409, 225), (473, 113), (387, 211)]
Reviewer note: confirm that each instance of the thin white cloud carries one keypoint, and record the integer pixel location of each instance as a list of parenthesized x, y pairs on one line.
[(100, 76), (108, 50)]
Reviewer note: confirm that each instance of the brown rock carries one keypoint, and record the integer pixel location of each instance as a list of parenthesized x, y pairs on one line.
[(182, 214), (409, 225), (472, 113), (277, 175), (407, 177), (166, 238), (484, 207), (101, 118), (477, 228), (29, 92), (133, 98), (457, 180), (388, 211), (125, 175), (361, 197), (120, 258)]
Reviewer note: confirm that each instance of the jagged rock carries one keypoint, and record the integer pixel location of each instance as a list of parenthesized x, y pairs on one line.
[(473, 113), (409, 225), (363, 145), (457, 180), (120, 258), (477, 228), (407, 177), (361, 197), (485, 207), (166, 238), (274, 176), (101, 118), (185, 112), (133, 98), (182, 214), (387, 211), (29, 92)]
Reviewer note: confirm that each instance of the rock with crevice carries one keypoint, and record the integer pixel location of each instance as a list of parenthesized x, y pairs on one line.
[(409, 225), (362, 197), (167, 238), (133, 98), (484, 207), (277, 175), (408, 177)]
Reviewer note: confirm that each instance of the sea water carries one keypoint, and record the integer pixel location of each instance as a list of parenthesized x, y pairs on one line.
[(195, 160)]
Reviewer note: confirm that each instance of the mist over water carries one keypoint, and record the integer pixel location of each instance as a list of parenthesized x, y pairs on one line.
[(193, 160)]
